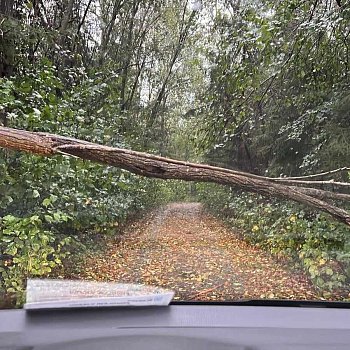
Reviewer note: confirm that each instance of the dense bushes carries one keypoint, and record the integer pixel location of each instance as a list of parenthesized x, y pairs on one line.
[(58, 200), (314, 241), (50, 203), (30, 247)]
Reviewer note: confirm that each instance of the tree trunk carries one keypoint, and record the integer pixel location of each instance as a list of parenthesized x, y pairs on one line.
[(7, 42), (6, 7), (7, 47), (158, 167), (66, 17)]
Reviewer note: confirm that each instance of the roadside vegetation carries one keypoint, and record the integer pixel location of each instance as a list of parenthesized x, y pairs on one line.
[(290, 233)]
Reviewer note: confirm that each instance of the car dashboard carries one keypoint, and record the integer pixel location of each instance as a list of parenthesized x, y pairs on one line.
[(178, 327)]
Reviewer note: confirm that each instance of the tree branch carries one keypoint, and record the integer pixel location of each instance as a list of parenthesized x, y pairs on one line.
[(312, 183), (324, 174), (322, 194), (159, 167)]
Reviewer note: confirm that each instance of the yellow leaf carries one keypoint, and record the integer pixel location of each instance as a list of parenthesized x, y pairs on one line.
[(322, 262)]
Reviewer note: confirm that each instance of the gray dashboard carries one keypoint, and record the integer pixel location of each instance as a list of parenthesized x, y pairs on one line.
[(177, 327)]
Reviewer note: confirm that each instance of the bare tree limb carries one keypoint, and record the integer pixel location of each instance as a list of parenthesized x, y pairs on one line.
[(81, 23), (107, 30), (312, 183), (314, 176)]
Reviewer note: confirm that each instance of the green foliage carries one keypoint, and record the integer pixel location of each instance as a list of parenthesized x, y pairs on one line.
[(30, 247), (177, 191), (278, 88), (38, 194)]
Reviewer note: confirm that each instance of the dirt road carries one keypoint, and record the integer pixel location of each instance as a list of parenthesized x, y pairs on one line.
[(183, 248)]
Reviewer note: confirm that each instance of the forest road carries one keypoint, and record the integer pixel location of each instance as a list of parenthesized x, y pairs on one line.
[(183, 248)]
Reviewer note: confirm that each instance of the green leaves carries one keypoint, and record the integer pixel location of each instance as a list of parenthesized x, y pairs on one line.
[(32, 249), (278, 72), (49, 201), (36, 194)]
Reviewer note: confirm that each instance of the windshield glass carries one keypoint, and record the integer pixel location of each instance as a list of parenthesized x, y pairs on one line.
[(198, 146)]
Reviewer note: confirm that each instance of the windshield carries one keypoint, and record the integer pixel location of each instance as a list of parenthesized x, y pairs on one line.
[(197, 146)]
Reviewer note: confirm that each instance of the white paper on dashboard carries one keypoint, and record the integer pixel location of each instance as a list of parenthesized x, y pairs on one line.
[(48, 294)]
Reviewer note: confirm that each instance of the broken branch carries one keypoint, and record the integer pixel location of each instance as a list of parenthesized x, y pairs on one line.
[(159, 167)]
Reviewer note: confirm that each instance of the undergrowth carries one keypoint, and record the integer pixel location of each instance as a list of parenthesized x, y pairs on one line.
[(311, 240)]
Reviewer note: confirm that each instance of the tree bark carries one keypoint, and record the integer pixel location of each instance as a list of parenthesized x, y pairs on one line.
[(322, 194), (7, 51), (6, 7), (66, 17), (159, 167)]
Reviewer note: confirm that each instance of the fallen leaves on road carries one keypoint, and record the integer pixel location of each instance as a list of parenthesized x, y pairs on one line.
[(182, 248)]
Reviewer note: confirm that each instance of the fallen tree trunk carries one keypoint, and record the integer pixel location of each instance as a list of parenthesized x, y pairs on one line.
[(322, 194), (159, 167)]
